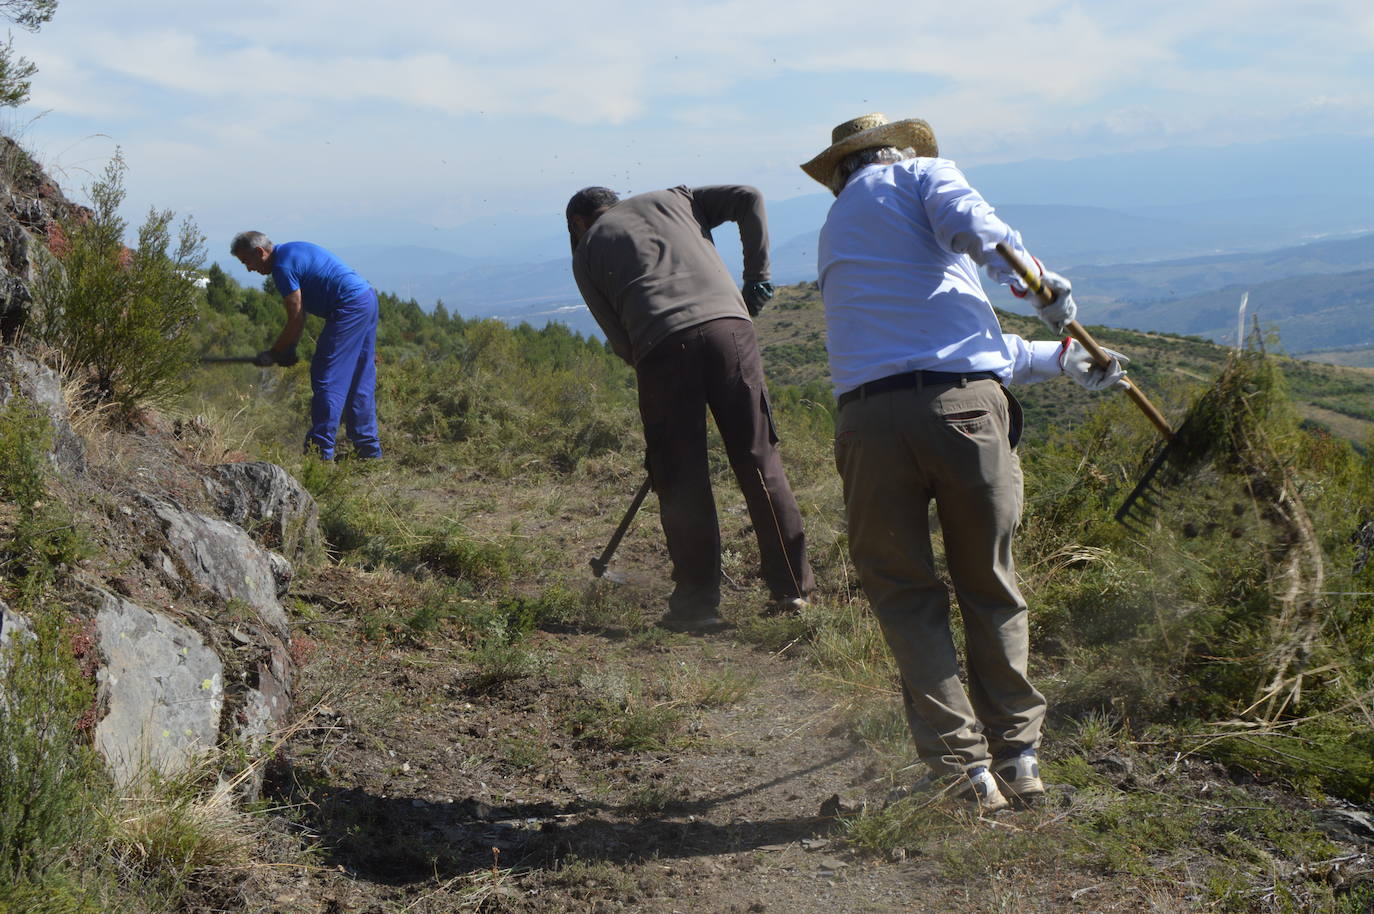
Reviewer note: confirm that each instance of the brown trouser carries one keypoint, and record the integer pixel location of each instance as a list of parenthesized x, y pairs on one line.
[(717, 365), (895, 452)]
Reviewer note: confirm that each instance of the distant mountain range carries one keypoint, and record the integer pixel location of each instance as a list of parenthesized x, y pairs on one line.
[(1310, 312), (1158, 241)]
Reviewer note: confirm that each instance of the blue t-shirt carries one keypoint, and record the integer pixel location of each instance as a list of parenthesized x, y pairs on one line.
[(325, 281)]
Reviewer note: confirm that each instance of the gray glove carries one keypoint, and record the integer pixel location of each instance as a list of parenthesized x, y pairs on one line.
[(1059, 312), (1075, 362), (756, 295), (265, 359)]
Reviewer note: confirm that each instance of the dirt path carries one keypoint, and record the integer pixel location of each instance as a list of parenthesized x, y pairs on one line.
[(414, 780), (611, 766), (429, 797)]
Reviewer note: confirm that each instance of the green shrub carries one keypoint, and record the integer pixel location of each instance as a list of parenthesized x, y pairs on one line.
[(497, 660), (47, 775), (46, 772), (616, 713), (41, 534), (453, 552), (121, 317), (16, 73)]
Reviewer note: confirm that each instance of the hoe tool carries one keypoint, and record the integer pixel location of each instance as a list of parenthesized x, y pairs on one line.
[(600, 562), (1144, 498), (228, 359)]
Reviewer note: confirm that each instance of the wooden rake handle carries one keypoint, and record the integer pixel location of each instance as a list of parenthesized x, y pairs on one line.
[(1099, 355), (1032, 279)]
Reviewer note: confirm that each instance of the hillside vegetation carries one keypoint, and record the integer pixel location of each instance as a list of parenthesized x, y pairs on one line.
[(1167, 367), (1168, 653), (489, 728)]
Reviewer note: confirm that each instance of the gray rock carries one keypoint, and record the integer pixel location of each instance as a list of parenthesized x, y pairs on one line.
[(14, 248), (221, 558), (267, 501), (163, 687), (267, 702), (1117, 769), (282, 572), (22, 376), (12, 625), (264, 711), (1352, 826)]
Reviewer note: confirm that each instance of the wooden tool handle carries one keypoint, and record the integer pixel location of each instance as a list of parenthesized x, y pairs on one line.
[(1099, 355), (600, 563)]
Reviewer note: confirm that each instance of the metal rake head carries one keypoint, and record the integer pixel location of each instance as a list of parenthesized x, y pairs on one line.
[(1174, 462)]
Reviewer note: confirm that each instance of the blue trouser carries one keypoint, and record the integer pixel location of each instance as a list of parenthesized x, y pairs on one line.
[(343, 376)]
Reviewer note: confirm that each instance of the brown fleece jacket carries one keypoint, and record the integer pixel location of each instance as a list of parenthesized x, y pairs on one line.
[(648, 268)]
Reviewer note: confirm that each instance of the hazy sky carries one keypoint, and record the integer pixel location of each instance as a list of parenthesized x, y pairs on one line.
[(302, 117)]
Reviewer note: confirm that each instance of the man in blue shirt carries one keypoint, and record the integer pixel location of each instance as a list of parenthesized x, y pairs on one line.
[(343, 372), (918, 361)]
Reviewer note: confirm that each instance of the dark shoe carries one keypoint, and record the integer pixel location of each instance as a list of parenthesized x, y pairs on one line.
[(694, 624), (694, 600)]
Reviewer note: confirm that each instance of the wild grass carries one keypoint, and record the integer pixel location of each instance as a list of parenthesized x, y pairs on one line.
[(697, 687), (166, 831), (655, 798), (617, 712)]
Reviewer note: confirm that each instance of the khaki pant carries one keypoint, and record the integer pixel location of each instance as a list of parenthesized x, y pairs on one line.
[(895, 451)]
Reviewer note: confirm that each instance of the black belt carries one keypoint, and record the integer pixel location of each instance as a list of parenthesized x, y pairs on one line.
[(917, 379)]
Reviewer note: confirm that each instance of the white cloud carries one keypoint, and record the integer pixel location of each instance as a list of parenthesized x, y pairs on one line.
[(435, 106)]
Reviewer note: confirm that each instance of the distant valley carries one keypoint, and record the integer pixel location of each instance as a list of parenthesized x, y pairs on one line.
[(1170, 251)]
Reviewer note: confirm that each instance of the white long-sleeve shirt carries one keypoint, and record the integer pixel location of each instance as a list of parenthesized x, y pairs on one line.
[(898, 265)]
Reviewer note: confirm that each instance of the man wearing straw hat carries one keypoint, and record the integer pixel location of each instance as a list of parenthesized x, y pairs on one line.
[(654, 282), (918, 362)]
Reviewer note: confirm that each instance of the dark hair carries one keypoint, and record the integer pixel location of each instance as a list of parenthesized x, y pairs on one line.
[(590, 199), (585, 203)]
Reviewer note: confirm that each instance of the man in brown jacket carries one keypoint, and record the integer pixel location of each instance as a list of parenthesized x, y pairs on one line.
[(651, 277)]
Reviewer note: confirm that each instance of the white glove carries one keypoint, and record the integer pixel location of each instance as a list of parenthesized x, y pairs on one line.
[(1062, 310), (1075, 362)]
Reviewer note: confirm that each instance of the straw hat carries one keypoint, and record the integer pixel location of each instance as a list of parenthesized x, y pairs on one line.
[(865, 133)]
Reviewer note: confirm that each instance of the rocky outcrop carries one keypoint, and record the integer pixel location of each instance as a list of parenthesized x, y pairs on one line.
[(223, 559), (21, 376), (12, 625), (192, 650), (169, 693), (265, 500), (163, 689), (32, 207), (263, 691)]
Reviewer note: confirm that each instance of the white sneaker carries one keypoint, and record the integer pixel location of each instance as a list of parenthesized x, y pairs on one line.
[(786, 606), (1019, 778), (980, 788), (977, 788)]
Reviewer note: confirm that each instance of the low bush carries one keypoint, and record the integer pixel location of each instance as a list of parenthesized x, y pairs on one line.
[(121, 318), (49, 776)]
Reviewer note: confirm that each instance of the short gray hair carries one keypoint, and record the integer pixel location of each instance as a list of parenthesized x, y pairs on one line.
[(245, 240), (873, 155)]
